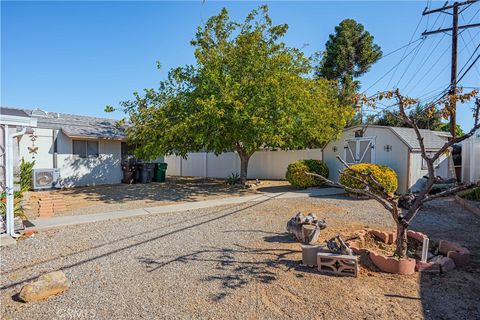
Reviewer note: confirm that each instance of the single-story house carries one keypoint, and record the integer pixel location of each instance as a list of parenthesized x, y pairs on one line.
[(86, 150), (395, 147)]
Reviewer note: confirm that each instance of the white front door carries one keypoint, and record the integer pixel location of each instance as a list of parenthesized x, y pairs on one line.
[(359, 150)]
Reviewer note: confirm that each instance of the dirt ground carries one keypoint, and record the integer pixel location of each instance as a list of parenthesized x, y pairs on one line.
[(105, 198), (236, 262)]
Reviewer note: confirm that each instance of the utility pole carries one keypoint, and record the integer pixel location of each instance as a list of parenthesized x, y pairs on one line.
[(454, 29)]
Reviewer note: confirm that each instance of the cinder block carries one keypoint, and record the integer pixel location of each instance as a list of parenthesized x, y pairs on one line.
[(338, 264)]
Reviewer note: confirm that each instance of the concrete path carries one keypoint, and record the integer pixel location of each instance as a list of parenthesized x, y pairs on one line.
[(79, 219)]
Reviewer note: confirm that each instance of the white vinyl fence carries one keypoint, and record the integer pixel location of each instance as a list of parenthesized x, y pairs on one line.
[(471, 159), (262, 165)]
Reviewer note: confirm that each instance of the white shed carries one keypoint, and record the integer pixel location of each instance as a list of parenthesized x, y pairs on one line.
[(395, 147)]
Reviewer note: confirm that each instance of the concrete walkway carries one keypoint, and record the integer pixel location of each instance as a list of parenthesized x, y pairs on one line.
[(78, 219)]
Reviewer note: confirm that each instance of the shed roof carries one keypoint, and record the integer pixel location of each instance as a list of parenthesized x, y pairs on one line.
[(76, 126), (433, 140)]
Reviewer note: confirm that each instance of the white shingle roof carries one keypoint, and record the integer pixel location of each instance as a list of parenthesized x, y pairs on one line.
[(80, 126), (433, 140)]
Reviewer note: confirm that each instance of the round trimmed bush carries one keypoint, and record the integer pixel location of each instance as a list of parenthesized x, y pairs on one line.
[(296, 173), (383, 174)]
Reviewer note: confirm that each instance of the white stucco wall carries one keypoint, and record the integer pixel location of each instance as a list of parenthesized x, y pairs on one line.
[(75, 171), (262, 165)]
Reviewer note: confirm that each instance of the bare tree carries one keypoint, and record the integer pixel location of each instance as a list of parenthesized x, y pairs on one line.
[(373, 189)]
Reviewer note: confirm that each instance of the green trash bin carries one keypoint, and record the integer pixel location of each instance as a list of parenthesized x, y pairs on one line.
[(160, 171)]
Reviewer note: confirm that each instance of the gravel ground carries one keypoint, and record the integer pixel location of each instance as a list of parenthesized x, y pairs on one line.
[(235, 262)]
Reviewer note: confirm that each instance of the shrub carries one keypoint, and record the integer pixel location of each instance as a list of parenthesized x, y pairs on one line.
[(233, 179), (26, 171), (473, 194), (383, 174), (296, 173)]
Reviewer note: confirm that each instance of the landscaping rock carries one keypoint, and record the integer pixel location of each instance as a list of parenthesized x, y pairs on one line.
[(45, 286), (387, 237), (416, 235), (428, 267), (460, 255), (446, 264), (392, 264)]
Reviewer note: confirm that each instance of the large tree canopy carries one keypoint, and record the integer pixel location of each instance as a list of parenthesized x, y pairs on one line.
[(247, 91), (349, 53)]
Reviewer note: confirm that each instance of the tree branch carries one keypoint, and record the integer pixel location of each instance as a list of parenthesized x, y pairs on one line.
[(451, 191)]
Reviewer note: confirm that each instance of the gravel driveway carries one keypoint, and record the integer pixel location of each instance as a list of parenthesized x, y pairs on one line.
[(233, 262)]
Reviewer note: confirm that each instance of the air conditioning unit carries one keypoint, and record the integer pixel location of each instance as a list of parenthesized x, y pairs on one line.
[(46, 178)]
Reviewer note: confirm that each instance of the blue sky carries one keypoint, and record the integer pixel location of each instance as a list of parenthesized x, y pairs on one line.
[(78, 57)]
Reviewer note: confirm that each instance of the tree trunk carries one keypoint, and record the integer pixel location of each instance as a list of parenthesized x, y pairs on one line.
[(401, 250), (244, 158)]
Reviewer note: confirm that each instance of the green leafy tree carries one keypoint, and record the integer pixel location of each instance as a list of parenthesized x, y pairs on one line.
[(424, 117), (247, 91), (349, 53)]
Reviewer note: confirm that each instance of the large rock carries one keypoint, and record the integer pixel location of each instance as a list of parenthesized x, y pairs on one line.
[(45, 286)]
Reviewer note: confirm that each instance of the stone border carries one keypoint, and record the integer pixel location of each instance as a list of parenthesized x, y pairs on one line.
[(464, 203)]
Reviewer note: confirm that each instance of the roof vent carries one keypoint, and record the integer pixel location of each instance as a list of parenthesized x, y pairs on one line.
[(39, 113)]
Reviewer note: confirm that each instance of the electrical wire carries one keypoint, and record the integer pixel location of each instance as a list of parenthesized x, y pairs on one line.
[(401, 59)]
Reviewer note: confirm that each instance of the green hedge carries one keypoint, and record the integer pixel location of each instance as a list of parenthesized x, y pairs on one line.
[(296, 173), (383, 174), (473, 194)]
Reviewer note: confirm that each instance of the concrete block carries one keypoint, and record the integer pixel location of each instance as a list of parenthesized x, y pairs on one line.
[(337, 264)]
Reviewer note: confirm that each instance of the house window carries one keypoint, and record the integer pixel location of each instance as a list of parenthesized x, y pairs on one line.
[(85, 148)]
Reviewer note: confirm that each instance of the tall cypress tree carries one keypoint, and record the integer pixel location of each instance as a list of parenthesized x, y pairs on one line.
[(349, 53)]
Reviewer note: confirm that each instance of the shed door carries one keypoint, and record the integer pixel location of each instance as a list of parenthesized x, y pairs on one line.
[(359, 150)]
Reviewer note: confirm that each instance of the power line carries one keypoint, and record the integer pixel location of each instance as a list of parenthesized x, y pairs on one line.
[(391, 69), (426, 57), (401, 59)]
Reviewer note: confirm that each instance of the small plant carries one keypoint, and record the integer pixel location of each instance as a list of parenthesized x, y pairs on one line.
[(26, 171), (297, 173), (233, 179), (351, 177), (473, 194), (17, 207)]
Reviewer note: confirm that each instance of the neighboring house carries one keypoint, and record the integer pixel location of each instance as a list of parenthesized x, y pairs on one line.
[(471, 158), (86, 150), (395, 147)]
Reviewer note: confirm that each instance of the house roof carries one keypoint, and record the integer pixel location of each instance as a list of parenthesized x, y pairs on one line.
[(433, 140), (13, 112), (76, 126)]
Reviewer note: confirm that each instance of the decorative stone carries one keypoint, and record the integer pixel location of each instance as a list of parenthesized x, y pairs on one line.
[(428, 267), (446, 264), (416, 235), (382, 235), (387, 237), (338, 264), (393, 265), (309, 255), (45, 286), (460, 255)]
